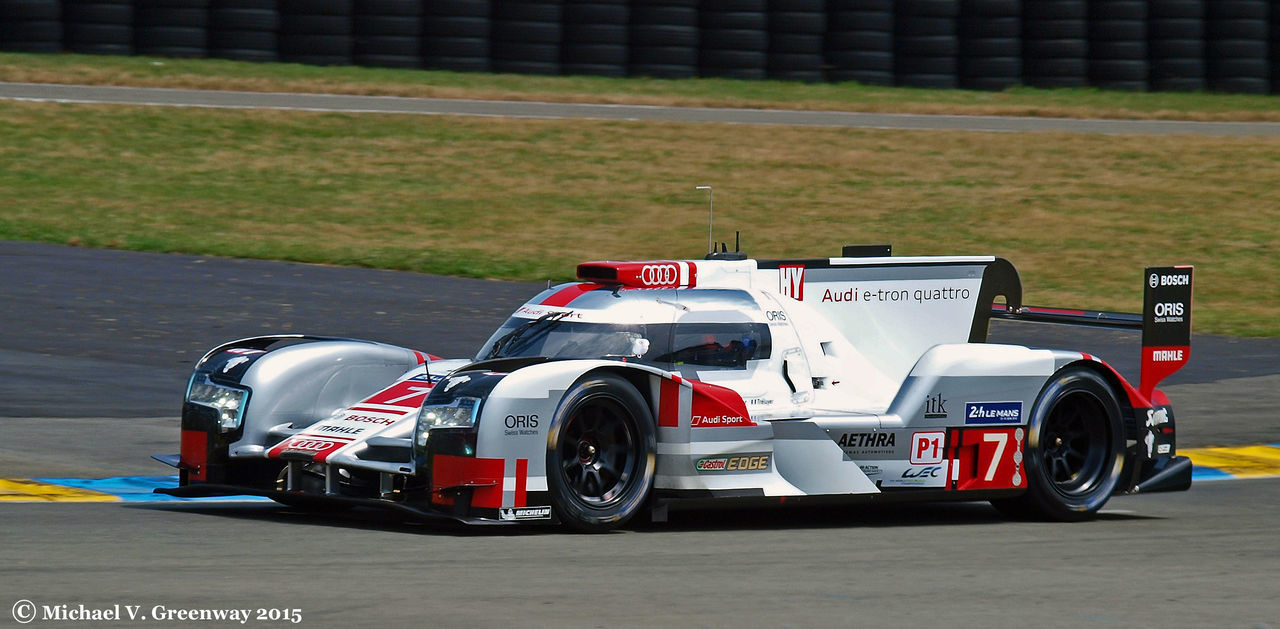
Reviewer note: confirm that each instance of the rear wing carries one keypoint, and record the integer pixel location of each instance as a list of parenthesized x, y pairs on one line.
[(1165, 322)]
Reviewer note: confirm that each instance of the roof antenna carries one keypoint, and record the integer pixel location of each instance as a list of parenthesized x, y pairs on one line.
[(711, 214)]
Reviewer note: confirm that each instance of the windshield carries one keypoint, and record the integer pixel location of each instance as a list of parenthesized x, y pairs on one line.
[(551, 336)]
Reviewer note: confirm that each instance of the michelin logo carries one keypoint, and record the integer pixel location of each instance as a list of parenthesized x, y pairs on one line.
[(524, 513), (980, 413)]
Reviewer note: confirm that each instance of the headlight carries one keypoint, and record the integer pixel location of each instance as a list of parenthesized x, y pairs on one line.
[(459, 413), (227, 401)]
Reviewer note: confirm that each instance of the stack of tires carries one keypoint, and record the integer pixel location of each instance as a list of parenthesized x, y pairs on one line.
[(31, 25), (595, 37), (244, 30), (1275, 47), (797, 39), (1175, 44), (455, 35), (664, 38), (734, 39), (98, 27), (527, 36), (990, 44), (926, 43), (1118, 44), (1055, 43), (171, 28), (316, 32), (1236, 33), (860, 41), (388, 33)]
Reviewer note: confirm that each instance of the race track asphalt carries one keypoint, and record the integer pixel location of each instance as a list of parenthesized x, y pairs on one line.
[(94, 353), (169, 97), (95, 348)]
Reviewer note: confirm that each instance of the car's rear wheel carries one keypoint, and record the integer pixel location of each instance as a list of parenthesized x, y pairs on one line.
[(600, 456), (1075, 450)]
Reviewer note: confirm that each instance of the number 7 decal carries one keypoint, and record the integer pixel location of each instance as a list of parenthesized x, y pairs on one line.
[(988, 458)]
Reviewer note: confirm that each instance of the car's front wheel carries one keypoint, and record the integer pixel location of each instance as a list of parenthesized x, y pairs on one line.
[(600, 455)]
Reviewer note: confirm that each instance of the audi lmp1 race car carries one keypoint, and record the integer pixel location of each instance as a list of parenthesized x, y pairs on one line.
[(658, 385)]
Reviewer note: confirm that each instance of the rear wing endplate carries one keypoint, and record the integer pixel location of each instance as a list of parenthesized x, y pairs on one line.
[(1165, 322)]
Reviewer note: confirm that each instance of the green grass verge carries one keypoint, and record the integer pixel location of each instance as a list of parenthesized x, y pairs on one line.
[(1080, 215), (223, 74)]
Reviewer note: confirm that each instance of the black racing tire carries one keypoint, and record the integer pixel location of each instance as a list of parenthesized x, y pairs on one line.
[(601, 454), (1075, 449)]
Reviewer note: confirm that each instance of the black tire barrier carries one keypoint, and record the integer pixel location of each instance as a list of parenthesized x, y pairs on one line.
[(1236, 46), (1175, 45), (1223, 45), (527, 36), (1055, 43), (926, 43), (1118, 44), (31, 25), (595, 37), (456, 35), (675, 24), (388, 33), (734, 39), (860, 41), (990, 44), (1275, 47), (796, 40), (316, 32), (171, 28), (244, 30), (101, 27)]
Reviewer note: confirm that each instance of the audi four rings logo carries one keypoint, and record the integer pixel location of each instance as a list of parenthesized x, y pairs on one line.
[(1154, 281), (659, 274), (310, 444)]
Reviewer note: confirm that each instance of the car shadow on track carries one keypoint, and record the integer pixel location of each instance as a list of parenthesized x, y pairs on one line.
[(735, 519)]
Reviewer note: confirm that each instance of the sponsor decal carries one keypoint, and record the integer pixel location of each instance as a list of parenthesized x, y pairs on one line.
[(659, 274), (521, 425), (343, 430), (791, 281), (775, 316), (736, 463), (935, 407), (720, 421), (516, 514), (759, 401), (979, 413), (1157, 417), (367, 419), (318, 447), (871, 471), (1169, 312), (927, 448), (1178, 279), (880, 295), (932, 471), (1167, 355), (867, 440)]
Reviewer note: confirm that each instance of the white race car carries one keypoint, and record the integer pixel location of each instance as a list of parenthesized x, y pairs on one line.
[(658, 385)]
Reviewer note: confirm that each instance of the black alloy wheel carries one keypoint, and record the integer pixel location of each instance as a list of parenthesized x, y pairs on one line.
[(1075, 449), (601, 457)]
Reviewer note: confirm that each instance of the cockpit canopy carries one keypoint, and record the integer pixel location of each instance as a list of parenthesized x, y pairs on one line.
[(669, 329)]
